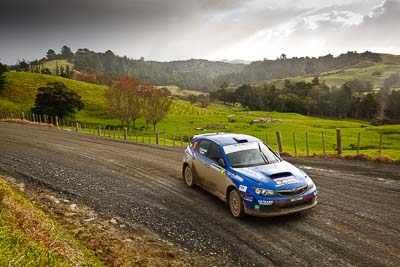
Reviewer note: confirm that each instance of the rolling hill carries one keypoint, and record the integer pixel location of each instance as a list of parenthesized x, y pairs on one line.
[(185, 119), (374, 73)]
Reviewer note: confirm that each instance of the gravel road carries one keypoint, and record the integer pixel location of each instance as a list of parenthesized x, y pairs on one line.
[(357, 221)]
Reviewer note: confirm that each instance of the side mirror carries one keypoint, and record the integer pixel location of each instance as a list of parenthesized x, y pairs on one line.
[(221, 163)]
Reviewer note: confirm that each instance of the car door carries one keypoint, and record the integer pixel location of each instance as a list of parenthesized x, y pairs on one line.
[(215, 178), (200, 162)]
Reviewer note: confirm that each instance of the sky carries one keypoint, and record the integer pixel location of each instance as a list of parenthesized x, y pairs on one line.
[(168, 30)]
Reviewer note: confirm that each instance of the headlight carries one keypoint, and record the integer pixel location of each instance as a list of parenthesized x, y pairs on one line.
[(264, 192), (310, 183)]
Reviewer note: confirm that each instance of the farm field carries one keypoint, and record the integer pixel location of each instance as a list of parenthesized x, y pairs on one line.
[(375, 73), (185, 120)]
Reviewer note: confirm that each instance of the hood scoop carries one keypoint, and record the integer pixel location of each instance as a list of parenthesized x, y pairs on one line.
[(281, 175)]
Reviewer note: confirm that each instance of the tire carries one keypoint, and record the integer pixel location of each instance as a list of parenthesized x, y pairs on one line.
[(188, 176), (235, 203)]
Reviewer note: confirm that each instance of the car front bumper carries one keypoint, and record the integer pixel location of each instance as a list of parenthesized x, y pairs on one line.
[(282, 210)]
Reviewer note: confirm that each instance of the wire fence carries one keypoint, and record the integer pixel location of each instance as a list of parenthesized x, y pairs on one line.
[(297, 142)]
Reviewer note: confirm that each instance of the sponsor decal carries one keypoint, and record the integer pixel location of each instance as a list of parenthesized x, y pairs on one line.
[(202, 151), (256, 207), (234, 176), (266, 202), (239, 147), (242, 188), (285, 180), (222, 171)]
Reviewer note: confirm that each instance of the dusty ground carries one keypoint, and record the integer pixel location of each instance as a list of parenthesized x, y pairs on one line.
[(356, 222)]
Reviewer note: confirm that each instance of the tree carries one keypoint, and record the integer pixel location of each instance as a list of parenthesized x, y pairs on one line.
[(66, 52), (3, 69), (51, 54), (117, 98), (156, 104), (22, 65), (56, 99), (203, 100), (124, 97)]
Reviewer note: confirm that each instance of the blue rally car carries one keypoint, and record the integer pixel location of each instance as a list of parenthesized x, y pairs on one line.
[(248, 175)]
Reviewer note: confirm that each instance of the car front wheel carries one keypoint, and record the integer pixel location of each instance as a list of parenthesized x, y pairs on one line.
[(236, 204), (188, 176)]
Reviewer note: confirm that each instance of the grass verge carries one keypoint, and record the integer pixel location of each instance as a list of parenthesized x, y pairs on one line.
[(92, 239), (29, 237)]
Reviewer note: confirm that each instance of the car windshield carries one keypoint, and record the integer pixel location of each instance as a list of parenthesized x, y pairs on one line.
[(249, 155)]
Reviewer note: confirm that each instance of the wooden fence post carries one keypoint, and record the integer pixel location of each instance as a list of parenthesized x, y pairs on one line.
[(109, 131), (173, 141), (150, 138), (358, 143), (99, 131), (181, 139), (23, 116), (339, 141), (118, 133), (157, 137), (279, 140), (294, 144), (165, 137), (380, 144), (57, 121), (323, 143), (77, 127), (125, 133)]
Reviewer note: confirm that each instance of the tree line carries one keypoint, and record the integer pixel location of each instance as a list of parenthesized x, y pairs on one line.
[(198, 74), (351, 100)]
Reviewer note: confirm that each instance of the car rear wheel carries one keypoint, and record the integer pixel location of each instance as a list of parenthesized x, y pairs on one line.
[(188, 176), (236, 204)]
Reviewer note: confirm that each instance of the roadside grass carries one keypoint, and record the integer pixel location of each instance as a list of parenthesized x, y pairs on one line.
[(28, 237), (186, 119)]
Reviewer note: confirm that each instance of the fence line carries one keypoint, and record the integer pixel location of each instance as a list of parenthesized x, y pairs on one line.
[(300, 142)]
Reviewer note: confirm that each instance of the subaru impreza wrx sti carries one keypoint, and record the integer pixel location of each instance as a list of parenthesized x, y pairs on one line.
[(248, 175)]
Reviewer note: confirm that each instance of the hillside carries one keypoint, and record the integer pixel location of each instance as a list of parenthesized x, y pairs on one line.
[(21, 88), (185, 119), (374, 73), (194, 74)]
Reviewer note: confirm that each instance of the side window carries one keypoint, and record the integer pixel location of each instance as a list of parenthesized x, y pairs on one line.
[(214, 153), (202, 147)]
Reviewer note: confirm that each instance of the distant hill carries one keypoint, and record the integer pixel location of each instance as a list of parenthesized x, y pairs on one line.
[(194, 74), (206, 76)]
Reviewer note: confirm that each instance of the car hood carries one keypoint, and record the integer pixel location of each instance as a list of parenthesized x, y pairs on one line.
[(278, 176)]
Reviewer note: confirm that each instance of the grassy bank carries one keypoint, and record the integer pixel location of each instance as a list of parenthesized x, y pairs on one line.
[(28, 237)]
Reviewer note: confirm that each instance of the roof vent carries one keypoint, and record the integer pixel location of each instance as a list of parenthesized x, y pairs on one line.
[(238, 140)]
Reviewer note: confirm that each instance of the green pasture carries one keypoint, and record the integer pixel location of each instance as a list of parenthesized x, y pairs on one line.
[(186, 119)]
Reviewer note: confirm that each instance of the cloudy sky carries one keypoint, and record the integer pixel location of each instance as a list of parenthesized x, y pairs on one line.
[(212, 29)]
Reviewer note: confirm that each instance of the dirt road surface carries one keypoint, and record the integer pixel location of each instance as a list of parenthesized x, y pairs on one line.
[(357, 221)]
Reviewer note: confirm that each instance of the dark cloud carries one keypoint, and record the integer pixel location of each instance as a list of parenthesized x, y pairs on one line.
[(181, 29)]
